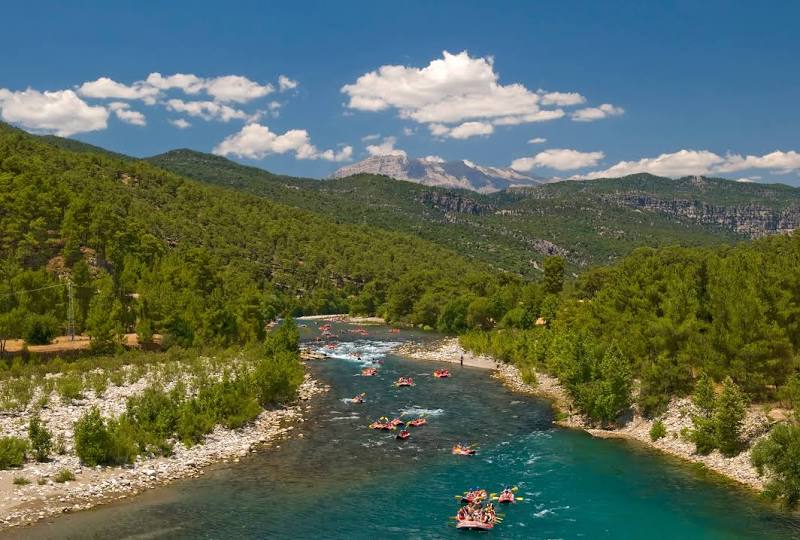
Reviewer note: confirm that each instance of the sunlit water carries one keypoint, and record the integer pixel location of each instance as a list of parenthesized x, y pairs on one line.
[(342, 480)]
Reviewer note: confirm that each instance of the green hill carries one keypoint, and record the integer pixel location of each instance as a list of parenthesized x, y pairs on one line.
[(587, 222), (152, 251)]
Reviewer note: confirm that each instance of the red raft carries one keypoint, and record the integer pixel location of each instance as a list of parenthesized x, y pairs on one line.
[(471, 524), (417, 422), (404, 381), (369, 372), (403, 435), (441, 373)]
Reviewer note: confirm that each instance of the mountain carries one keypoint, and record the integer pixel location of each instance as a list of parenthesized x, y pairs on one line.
[(588, 223), (436, 172)]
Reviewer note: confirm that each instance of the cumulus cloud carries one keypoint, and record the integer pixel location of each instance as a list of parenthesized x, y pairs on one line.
[(454, 89), (187, 82), (466, 130), (703, 162), (255, 141), (61, 112), (207, 110), (590, 114), (385, 148), (285, 83), (561, 99), (180, 123), (537, 140), (561, 159), (109, 88), (781, 162), (123, 111), (224, 89), (236, 88)]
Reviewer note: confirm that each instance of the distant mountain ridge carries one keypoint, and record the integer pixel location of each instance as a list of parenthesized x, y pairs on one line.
[(431, 171)]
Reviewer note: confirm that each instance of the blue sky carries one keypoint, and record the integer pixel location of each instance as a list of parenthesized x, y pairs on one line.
[(669, 87)]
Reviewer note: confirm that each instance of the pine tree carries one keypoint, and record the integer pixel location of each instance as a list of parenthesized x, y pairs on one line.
[(728, 418), (704, 435)]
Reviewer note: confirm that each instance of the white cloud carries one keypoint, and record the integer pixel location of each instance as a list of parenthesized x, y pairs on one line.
[(703, 162), (454, 89), (539, 116), (407, 131), (386, 148), (561, 159), (207, 110), (470, 129), (180, 123), (285, 83), (61, 112), (371, 137), (561, 99), (438, 130), (190, 84), (781, 162), (236, 88), (537, 140), (255, 141), (108, 88), (123, 111), (224, 89), (590, 114), (433, 159)]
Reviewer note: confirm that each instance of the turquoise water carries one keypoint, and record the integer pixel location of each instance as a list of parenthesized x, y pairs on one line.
[(342, 480)]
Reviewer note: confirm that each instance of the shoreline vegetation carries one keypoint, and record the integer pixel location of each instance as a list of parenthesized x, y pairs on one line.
[(80, 434), (676, 419)]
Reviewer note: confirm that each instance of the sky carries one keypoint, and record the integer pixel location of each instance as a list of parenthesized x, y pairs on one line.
[(556, 89)]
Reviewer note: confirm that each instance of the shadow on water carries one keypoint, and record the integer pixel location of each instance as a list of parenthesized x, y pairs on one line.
[(342, 480)]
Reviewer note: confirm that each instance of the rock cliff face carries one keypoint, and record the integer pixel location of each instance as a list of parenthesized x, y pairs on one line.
[(434, 172), (753, 220), (451, 202)]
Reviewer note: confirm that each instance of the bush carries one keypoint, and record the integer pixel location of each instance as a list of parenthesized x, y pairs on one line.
[(64, 475), (278, 377), (70, 387), (658, 430), (779, 455), (41, 439), (21, 481), (41, 329), (92, 440), (12, 452)]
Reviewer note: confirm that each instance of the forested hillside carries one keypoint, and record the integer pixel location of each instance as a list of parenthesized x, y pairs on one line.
[(153, 252), (512, 230)]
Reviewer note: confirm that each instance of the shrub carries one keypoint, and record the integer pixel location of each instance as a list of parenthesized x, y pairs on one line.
[(278, 377), (64, 475), (92, 440), (70, 387), (41, 439), (193, 422), (658, 430), (41, 329), (21, 481), (779, 455), (12, 452)]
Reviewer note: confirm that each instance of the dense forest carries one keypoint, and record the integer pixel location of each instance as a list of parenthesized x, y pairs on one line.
[(151, 252)]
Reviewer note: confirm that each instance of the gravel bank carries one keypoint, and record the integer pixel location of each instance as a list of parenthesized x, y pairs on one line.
[(93, 486)]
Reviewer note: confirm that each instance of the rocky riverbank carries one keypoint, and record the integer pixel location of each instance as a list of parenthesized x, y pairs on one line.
[(677, 419), (44, 496)]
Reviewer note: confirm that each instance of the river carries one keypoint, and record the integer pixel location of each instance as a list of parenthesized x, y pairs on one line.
[(342, 480)]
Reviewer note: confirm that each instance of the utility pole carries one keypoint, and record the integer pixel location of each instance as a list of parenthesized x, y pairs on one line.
[(70, 311)]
